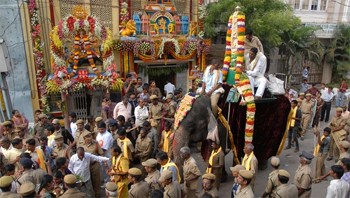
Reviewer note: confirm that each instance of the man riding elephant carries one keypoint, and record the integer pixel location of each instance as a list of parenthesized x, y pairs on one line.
[(212, 81)]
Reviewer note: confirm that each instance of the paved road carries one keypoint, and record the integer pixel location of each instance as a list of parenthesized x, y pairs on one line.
[(289, 162)]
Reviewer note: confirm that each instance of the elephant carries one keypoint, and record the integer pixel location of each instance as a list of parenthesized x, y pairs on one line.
[(270, 125)]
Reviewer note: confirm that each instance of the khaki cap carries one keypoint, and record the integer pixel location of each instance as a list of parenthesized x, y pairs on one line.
[(299, 100), (55, 121), (7, 123), (167, 174), (308, 94), (98, 119), (275, 161), (169, 96), (237, 168), (345, 144), (339, 109), (246, 174), (283, 173), (70, 179), (58, 137), (42, 116), (301, 94), (150, 163), (86, 133), (111, 186), (26, 188), (210, 176), (80, 121), (153, 97), (6, 181), (134, 171)]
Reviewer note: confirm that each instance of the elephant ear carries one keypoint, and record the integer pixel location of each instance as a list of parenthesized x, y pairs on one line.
[(213, 132)]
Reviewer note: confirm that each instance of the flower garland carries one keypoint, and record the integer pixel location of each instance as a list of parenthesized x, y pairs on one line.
[(248, 99), (227, 58), (238, 57), (186, 106), (170, 40), (143, 46)]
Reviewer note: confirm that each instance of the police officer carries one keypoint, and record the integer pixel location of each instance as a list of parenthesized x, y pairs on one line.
[(303, 178), (5, 185), (285, 190), (70, 183), (138, 188), (272, 181)]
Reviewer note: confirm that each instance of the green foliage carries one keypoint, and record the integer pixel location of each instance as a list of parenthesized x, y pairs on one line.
[(267, 18), (162, 70), (338, 53)]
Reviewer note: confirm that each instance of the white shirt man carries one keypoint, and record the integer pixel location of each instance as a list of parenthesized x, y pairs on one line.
[(141, 115), (327, 97), (105, 140), (256, 71), (73, 127), (337, 188), (305, 73), (122, 109), (169, 88), (323, 89)]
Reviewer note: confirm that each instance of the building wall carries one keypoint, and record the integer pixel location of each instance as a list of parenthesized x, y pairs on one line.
[(20, 88)]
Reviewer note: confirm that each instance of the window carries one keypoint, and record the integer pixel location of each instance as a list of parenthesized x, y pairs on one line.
[(314, 5)]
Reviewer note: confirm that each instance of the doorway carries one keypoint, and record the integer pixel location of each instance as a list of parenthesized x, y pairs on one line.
[(161, 80)]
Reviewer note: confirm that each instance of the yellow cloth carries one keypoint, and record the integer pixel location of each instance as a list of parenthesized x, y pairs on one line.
[(50, 139), (318, 146), (213, 153), (247, 163), (166, 141), (167, 165), (294, 114), (120, 164), (125, 147), (40, 159)]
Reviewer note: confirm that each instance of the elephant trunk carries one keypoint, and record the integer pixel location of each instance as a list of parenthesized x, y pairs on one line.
[(181, 139)]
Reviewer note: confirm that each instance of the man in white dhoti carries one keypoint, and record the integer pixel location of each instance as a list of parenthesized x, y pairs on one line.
[(256, 70)]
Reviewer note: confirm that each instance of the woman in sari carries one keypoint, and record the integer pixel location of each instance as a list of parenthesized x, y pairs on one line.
[(20, 121)]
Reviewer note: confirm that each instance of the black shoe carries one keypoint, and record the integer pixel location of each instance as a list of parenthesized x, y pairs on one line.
[(287, 147), (296, 150), (321, 120), (326, 121), (329, 158), (302, 139)]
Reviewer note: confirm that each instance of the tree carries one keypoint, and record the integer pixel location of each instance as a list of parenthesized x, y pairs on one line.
[(338, 53), (298, 45), (267, 18)]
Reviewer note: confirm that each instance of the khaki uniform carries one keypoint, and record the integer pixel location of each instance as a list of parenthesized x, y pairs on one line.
[(336, 136), (143, 147), (39, 129), (72, 192), (190, 169), (156, 111), (347, 126), (343, 155), (12, 155), (79, 139), (171, 108), (213, 192), (172, 190), (131, 148), (218, 159), (287, 191), (10, 195), (11, 135), (25, 138), (272, 183), (65, 151), (34, 176), (153, 177), (303, 179), (253, 169), (140, 189), (95, 149), (246, 192), (306, 109)]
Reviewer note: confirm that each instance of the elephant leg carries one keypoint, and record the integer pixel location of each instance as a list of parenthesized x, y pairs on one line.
[(181, 139), (262, 165)]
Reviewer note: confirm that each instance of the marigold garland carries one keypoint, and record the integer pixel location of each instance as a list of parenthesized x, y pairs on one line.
[(239, 51), (227, 58), (184, 108)]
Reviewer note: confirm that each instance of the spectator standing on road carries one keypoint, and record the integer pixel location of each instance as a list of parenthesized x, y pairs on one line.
[(122, 108), (323, 89), (128, 85), (305, 73), (73, 126), (327, 98), (341, 93), (313, 90), (20, 121), (321, 152), (138, 87), (337, 187), (250, 162), (153, 90), (304, 86), (169, 88)]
